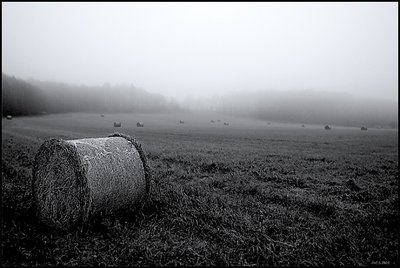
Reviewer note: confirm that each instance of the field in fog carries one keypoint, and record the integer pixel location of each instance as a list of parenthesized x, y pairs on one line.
[(244, 194)]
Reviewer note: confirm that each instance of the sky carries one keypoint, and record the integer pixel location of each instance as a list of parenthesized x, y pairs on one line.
[(206, 49)]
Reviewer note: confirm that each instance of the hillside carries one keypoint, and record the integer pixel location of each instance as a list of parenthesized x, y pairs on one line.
[(304, 106)]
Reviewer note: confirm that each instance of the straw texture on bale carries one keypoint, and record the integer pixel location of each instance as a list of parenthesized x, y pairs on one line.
[(75, 179)]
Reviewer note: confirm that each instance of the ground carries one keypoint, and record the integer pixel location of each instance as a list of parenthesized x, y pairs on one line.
[(250, 193)]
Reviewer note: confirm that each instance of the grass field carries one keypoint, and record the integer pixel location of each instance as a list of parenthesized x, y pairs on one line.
[(250, 193)]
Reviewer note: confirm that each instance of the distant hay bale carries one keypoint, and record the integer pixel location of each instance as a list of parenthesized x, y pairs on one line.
[(9, 117), (327, 127), (212, 121), (219, 120), (352, 185), (226, 124), (76, 179), (139, 124), (269, 123), (181, 122), (102, 115), (363, 128), (117, 124)]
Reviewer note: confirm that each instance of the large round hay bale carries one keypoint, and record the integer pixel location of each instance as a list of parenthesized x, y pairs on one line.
[(117, 124), (74, 179)]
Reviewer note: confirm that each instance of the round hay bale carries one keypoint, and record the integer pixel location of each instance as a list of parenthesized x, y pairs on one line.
[(117, 124), (9, 117), (75, 179)]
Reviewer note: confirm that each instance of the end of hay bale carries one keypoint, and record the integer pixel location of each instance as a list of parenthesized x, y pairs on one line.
[(59, 186)]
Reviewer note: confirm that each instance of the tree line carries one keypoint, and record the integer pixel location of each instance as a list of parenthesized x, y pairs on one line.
[(34, 97)]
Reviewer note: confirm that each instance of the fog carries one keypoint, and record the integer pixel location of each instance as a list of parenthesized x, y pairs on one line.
[(303, 106), (214, 52)]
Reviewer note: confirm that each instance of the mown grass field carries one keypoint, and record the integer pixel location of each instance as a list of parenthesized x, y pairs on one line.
[(244, 194)]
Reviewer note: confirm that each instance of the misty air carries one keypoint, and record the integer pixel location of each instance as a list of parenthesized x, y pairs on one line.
[(200, 133)]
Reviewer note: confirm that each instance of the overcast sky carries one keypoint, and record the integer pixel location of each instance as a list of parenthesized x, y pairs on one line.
[(180, 49)]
